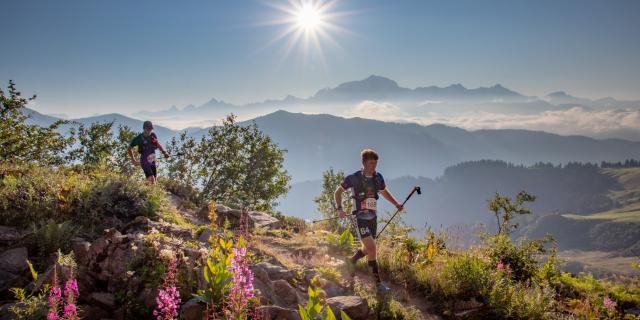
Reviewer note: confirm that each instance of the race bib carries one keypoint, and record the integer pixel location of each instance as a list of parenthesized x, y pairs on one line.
[(368, 204), (151, 158)]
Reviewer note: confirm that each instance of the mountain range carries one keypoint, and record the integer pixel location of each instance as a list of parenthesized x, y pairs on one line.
[(379, 88)]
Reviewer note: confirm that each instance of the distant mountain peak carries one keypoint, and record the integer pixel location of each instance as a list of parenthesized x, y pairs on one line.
[(372, 81), (560, 94)]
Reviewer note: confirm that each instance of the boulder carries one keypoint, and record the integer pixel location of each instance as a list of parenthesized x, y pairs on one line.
[(276, 312), (354, 306), (254, 218), (273, 271), (8, 280), (205, 235), (80, 249), (192, 310), (92, 312), (285, 294), (8, 235), (14, 260), (103, 299)]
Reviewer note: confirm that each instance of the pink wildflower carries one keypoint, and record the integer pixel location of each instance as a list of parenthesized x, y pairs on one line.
[(609, 304), (168, 299), (242, 282)]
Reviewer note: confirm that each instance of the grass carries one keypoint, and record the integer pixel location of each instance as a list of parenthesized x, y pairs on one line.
[(627, 198), (617, 215)]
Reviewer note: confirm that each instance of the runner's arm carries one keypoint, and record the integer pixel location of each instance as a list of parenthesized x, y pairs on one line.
[(387, 195), (166, 155), (338, 197), (130, 152)]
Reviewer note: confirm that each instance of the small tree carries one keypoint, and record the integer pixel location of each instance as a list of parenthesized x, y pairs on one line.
[(504, 209), (97, 144), (232, 164), (325, 202), (22, 142), (120, 154)]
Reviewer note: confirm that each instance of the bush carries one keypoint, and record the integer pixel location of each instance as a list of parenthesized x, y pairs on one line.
[(520, 300), (295, 224), (464, 277), (521, 258), (342, 243), (30, 194)]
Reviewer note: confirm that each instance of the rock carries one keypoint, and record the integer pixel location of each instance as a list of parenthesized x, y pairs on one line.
[(8, 280), (260, 273), (265, 291), (261, 219), (103, 299), (5, 313), (276, 313), (285, 294), (8, 235), (92, 312), (192, 310), (333, 289), (254, 218), (205, 235), (14, 260), (308, 275), (80, 249), (354, 306), (275, 272), (148, 297), (634, 311)]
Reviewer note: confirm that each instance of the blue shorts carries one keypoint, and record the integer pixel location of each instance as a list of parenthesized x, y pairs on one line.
[(149, 170), (367, 227)]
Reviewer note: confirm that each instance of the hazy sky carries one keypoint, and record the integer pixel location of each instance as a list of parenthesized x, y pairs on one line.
[(86, 56)]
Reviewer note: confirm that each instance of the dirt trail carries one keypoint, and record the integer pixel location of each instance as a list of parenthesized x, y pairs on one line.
[(303, 252)]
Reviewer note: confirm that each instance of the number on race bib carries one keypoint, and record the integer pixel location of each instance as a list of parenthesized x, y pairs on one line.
[(368, 204)]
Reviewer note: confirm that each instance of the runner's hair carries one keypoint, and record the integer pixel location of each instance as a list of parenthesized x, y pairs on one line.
[(368, 154)]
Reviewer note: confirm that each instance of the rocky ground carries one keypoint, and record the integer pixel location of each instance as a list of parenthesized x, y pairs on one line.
[(116, 272)]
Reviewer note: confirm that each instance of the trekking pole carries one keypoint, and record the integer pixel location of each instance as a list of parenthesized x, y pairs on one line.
[(332, 218), (415, 189)]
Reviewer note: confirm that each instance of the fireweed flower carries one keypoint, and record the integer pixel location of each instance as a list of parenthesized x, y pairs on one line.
[(168, 299), (54, 299), (66, 305), (242, 282), (609, 304)]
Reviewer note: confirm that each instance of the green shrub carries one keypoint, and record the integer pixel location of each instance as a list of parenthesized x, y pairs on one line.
[(519, 300), (342, 243), (295, 224), (31, 304), (464, 277), (329, 274), (315, 309), (520, 257), (31, 194), (217, 274), (50, 237)]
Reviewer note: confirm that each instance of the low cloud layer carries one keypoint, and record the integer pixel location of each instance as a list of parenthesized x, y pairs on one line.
[(611, 123)]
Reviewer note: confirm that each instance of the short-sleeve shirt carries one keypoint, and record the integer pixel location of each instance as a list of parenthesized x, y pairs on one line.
[(147, 146), (364, 187)]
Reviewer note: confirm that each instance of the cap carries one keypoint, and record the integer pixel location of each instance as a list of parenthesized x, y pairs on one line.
[(147, 125)]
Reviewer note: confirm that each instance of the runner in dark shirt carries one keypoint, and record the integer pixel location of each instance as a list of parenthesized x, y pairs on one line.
[(147, 143), (366, 184)]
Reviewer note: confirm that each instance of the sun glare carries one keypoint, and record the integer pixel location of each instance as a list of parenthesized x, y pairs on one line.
[(308, 24), (308, 17)]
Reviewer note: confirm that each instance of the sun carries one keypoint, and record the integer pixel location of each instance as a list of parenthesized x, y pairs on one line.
[(308, 17), (307, 24)]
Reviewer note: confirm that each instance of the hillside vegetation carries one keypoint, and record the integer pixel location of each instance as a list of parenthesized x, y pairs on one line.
[(82, 235)]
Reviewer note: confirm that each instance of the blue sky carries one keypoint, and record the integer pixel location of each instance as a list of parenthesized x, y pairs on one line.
[(85, 56)]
